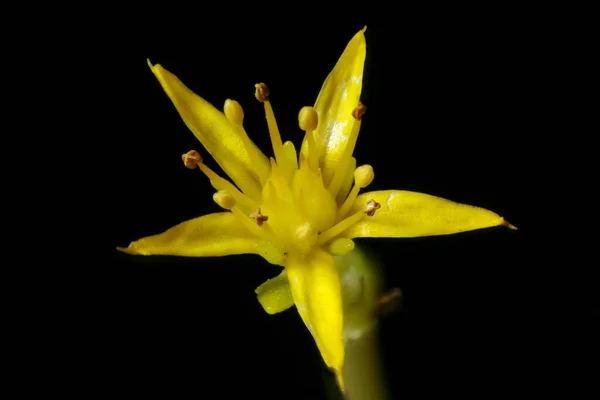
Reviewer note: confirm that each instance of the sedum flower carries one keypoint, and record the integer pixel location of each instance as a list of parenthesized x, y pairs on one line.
[(295, 210)]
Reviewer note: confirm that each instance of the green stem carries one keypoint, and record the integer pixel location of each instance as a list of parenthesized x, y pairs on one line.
[(363, 371), (361, 291)]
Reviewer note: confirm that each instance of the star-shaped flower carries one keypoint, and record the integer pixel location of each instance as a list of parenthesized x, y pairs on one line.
[(298, 210)]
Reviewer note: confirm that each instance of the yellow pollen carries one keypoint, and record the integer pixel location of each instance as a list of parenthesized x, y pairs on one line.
[(258, 217)]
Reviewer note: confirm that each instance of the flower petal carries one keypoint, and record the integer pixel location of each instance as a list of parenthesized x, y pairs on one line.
[(339, 96), (315, 285), (275, 295), (211, 235), (220, 138), (412, 214)]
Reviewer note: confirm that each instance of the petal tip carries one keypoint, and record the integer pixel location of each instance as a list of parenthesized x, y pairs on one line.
[(339, 377), (509, 225), (364, 29), (129, 249)]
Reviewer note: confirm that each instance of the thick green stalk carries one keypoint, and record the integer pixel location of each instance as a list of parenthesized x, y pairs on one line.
[(361, 290)]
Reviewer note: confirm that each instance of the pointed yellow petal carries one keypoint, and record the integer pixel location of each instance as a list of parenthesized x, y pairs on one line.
[(211, 235), (315, 285), (275, 295), (412, 214), (339, 96), (220, 137)]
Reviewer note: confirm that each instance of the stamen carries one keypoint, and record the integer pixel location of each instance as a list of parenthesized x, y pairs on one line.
[(258, 217), (235, 114), (338, 176), (359, 111), (262, 92), (262, 95), (252, 226), (341, 226), (388, 302), (341, 246), (363, 176), (308, 120), (192, 159), (224, 199), (372, 206)]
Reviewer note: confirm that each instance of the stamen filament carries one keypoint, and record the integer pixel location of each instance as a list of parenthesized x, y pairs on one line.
[(257, 159), (348, 202), (235, 114), (274, 132), (312, 150), (223, 184), (308, 119), (251, 224), (340, 227), (363, 176)]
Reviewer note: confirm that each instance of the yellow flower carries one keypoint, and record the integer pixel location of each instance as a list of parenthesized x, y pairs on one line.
[(297, 211)]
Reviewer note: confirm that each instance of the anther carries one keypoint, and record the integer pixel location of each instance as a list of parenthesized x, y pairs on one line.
[(234, 112), (191, 159), (224, 199), (341, 246), (363, 176), (262, 92), (258, 217), (388, 302), (359, 111), (308, 119), (372, 206)]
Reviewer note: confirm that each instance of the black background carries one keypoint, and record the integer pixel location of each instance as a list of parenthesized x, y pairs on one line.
[(449, 111)]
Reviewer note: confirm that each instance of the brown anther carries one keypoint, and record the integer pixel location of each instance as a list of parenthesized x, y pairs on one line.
[(389, 302), (260, 219), (191, 159), (262, 92), (359, 111), (372, 205)]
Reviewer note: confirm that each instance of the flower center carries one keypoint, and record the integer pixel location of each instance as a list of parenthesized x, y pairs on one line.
[(298, 210)]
